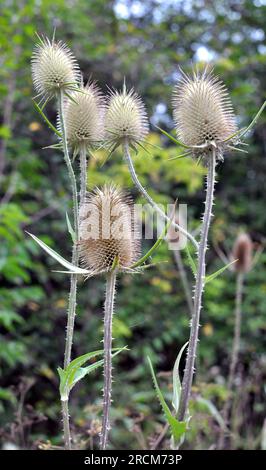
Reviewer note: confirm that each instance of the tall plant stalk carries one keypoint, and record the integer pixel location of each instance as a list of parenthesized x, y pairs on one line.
[(234, 355), (199, 288), (83, 175), (107, 391), (148, 197), (73, 278)]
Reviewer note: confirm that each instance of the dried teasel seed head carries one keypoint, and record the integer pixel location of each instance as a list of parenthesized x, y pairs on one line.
[(54, 68), (84, 117), (126, 118), (203, 112), (108, 231), (242, 252)]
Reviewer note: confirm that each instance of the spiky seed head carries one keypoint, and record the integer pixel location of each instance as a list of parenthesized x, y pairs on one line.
[(126, 118), (84, 116), (54, 68), (242, 252), (203, 111), (108, 231)]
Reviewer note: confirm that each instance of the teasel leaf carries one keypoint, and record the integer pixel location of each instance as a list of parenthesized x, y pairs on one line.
[(178, 428), (176, 379), (156, 244), (71, 268), (50, 125), (213, 276), (75, 372), (70, 229)]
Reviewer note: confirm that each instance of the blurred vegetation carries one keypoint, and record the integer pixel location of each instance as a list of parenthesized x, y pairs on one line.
[(144, 42)]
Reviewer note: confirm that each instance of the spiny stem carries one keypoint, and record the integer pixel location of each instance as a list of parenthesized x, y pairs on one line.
[(83, 175), (199, 287), (107, 390), (148, 197), (234, 355), (67, 435), (73, 278), (184, 280)]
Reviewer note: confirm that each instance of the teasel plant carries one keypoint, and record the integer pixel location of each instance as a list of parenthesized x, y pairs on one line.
[(244, 262), (103, 250), (56, 74), (206, 128)]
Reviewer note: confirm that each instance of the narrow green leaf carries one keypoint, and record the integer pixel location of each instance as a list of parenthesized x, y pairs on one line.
[(253, 122), (74, 372), (57, 257), (178, 428), (176, 379), (154, 247), (70, 229), (50, 125), (212, 276), (177, 142)]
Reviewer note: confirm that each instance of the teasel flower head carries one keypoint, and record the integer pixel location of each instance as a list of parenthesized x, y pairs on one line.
[(108, 232), (84, 117), (54, 68), (125, 119), (243, 253), (203, 114)]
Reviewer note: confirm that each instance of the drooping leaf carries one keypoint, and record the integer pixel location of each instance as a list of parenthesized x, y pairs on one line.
[(71, 268)]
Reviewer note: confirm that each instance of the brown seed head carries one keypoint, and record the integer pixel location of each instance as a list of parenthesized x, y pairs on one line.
[(108, 231), (242, 252)]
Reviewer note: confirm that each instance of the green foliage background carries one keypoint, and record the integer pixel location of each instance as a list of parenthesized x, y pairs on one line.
[(144, 42)]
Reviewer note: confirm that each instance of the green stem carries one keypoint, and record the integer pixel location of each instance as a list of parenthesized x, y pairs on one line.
[(65, 414), (148, 197), (234, 356), (199, 288), (73, 278), (107, 390), (83, 175)]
